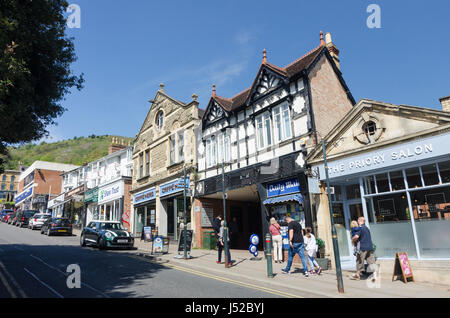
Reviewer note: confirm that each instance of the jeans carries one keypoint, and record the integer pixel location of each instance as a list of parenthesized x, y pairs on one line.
[(298, 248), (220, 249), (312, 262)]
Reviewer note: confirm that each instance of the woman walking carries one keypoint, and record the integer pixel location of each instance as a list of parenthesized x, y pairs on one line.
[(277, 240)]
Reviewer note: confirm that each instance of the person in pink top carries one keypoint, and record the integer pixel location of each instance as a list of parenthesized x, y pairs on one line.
[(277, 240)]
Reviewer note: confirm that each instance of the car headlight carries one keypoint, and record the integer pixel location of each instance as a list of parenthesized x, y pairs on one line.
[(108, 235)]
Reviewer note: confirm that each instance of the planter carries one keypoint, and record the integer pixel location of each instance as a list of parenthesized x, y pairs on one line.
[(324, 263)]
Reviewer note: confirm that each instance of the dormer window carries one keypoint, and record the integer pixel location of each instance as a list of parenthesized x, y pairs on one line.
[(159, 120)]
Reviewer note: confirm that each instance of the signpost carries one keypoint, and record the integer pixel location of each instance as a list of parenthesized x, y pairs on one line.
[(402, 267)]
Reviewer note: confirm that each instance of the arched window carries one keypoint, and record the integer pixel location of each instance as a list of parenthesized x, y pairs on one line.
[(159, 120)]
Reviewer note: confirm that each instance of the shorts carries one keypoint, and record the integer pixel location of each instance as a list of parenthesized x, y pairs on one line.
[(364, 256)]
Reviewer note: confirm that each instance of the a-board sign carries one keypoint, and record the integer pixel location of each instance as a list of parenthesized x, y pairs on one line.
[(158, 244), (188, 241), (148, 237), (402, 267)]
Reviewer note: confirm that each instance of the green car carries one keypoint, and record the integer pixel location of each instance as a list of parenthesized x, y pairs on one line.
[(104, 234)]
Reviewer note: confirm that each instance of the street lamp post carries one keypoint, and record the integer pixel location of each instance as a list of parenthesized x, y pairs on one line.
[(184, 213), (225, 229), (337, 259)]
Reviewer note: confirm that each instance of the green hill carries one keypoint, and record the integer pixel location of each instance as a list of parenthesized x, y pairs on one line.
[(74, 151)]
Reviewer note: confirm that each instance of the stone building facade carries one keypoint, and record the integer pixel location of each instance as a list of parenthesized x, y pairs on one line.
[(164, 146)]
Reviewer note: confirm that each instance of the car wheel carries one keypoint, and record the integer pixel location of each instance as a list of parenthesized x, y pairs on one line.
[(101, 243), (82, 241), (48, 232)]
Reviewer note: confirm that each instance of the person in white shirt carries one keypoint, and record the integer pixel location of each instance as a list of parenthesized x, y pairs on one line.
[(311, 249)]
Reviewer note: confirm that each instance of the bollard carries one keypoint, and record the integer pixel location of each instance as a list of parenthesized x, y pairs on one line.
[(269, 255)]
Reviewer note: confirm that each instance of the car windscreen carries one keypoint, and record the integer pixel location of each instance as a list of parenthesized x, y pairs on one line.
[(29, 214), (111, 226)]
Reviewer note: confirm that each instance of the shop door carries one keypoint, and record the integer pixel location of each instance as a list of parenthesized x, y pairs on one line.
[(339, 216), (170, 218), (353, 210)]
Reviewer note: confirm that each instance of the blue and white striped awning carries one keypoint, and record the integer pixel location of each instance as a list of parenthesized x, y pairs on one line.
[(292, 197)]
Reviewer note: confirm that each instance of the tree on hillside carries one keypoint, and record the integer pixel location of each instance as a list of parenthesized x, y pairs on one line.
[(35, 74)]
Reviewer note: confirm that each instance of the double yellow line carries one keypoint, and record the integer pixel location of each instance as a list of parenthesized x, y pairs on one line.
[(231, 281)]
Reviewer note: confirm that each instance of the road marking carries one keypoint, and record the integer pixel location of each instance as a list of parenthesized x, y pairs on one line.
[(40, 281), (8, 287), (66, 274), (21, 292), (227, 280)]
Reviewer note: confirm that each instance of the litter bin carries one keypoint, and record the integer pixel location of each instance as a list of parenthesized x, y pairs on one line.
[(209, 240)]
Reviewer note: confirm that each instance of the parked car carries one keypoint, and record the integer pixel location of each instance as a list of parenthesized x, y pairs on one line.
[(38, 220), (4, 213), (22, 217), (105, 234), (8, 216), (56, 226)]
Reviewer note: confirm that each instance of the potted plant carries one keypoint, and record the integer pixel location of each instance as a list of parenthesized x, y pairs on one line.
[(321, 260)]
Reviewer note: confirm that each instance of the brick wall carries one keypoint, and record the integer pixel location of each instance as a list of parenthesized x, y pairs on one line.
[(127, 206), (47, 178), (329, 100)]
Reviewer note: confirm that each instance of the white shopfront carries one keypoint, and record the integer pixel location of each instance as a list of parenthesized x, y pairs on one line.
[(110, 202), (403, 190)]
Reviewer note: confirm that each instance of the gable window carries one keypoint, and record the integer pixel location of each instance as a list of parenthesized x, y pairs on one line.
[(370, 128), (264, 131), (159, 120), (211, 153), (282, 123)]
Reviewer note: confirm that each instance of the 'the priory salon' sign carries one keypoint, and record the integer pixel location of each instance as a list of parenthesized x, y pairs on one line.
[(283, 188), (400, 154)]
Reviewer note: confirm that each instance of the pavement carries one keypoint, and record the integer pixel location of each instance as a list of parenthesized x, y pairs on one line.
[(255, 272)]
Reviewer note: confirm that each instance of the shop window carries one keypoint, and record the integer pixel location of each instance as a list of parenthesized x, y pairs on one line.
[(444, 170), (397, 180), (413, 178), (430, 175), (369, 185), (432, 219), (382, 183), (337, 196), (353, 192)]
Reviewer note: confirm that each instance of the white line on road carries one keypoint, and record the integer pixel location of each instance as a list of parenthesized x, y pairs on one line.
[(21, 292), (65, 274), (40, 281)]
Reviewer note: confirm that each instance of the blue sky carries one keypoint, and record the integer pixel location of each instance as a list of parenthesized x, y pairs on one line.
[(126, 48)]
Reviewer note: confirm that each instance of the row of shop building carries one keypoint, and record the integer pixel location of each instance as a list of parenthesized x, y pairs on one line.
[(262, 147)]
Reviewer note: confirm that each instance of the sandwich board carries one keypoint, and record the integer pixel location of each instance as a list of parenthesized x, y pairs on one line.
[(402, 267)]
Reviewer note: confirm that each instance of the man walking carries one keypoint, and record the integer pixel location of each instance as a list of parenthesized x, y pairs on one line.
[(296, 245), (366, 248)]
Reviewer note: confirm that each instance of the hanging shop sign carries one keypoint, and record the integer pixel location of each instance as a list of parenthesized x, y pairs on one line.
[(283, 188), (91, 196), (40, 199), (24, 195), (173, 187), (110, 192), (144, 196)]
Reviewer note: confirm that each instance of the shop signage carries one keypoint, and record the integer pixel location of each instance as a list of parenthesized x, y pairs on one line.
[(75, 191), (110, 192), (402, 267), (144, 196), (207, 216), (40, 199), (409, 152), (283, 188), (148, 234), (24, 195), (91, 195), (188, 241), (173, 187), (52, 203)]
